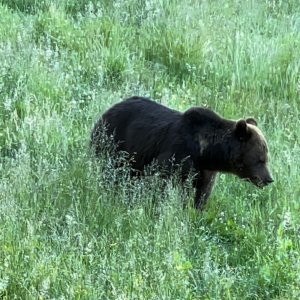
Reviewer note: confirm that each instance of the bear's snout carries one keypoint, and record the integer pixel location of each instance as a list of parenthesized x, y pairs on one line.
[(266, 178), (261, 182), (269, 180)]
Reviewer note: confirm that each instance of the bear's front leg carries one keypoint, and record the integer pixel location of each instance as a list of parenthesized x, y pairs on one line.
[(203, 183)]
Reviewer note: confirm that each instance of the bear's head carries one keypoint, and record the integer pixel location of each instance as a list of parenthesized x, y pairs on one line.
[(250, 160), (237, 147)]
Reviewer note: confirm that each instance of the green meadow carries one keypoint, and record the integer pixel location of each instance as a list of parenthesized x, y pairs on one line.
[(72, 227)]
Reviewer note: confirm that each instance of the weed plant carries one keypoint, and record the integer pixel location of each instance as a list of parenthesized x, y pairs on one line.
[(75, 227)]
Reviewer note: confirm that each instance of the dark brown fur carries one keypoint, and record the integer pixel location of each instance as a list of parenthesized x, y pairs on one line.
[(198, 140)]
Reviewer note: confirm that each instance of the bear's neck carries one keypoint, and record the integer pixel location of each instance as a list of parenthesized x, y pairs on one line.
[(215, 159), (215, 152)]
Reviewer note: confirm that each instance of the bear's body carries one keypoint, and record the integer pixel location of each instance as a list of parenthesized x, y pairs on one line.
[(198, 140)]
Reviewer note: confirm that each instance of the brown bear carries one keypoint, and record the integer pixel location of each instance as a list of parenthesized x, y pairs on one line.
[(198, 140)]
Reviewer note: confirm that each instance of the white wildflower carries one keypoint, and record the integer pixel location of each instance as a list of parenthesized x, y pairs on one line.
[(287, 220)]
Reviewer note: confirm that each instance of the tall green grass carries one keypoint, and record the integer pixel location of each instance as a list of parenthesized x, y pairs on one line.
[(72, 227)]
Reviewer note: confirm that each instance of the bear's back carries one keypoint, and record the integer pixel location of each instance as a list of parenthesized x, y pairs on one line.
[(142, 126), (140, 111)]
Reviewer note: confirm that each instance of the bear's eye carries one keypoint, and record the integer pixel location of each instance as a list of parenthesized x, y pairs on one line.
[(261, 161)]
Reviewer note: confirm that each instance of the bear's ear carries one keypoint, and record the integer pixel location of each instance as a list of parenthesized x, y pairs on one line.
[(251, 121), (241, 130)]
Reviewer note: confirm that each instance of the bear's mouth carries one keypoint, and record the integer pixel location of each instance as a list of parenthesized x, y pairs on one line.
[(257, 181)]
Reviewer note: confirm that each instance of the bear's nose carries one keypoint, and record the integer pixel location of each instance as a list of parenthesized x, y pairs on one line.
[(270, 180)]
